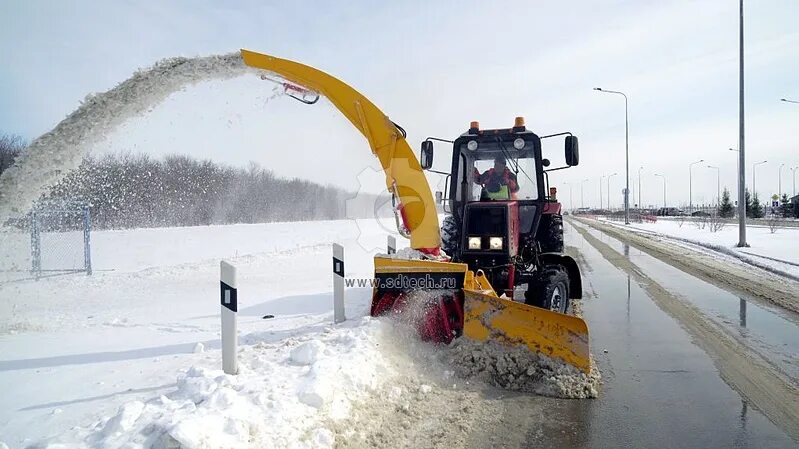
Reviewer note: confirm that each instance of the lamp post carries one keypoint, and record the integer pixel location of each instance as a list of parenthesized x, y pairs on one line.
[(690, 186), (779, 182), (754, 192), (600, 191), (571, 198), (793, 169), (640, 199), (626, 154), (741, 209), (718, 186), (664, 191), (610, 176), (582, 203), (789, 101), (741, 135)]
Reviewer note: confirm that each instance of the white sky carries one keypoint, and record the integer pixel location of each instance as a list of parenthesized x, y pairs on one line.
[(433, 67)]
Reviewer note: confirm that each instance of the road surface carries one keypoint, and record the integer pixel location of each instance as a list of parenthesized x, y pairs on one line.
[(677, 357)]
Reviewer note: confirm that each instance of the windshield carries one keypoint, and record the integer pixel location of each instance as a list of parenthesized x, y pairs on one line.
[(524, 176), (496, 173)]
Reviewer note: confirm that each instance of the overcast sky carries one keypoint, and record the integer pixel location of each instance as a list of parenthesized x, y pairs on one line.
[(433, 67)]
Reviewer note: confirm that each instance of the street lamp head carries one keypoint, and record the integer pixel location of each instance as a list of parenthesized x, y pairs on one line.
[(599, 88)]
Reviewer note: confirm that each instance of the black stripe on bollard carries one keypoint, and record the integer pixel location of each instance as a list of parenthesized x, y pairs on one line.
[(228, 297), (338, 267)]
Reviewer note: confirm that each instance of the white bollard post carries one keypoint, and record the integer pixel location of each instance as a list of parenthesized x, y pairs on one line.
[(392, 245), (338, 283), (230, 308)]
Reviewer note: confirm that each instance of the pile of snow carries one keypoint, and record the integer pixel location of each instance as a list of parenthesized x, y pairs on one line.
[(406, 254), (286, 394), (54, 154), (518, 369)]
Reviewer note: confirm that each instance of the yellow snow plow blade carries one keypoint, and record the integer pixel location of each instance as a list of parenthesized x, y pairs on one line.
[(481, 316), (489, 318)]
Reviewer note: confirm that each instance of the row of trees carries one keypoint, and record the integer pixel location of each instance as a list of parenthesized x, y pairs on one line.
[(754, 209), (137, 190)]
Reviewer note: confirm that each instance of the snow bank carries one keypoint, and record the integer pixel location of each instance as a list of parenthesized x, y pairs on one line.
[(774, 252), (284, 396)]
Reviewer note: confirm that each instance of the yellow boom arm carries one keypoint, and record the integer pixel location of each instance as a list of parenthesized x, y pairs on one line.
[(404, 176)]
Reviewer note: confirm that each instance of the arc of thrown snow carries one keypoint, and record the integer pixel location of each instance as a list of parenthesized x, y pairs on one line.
[(54, 154)]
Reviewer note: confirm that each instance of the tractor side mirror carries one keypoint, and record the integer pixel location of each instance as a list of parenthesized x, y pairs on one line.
[(426, 156), (572, 151)]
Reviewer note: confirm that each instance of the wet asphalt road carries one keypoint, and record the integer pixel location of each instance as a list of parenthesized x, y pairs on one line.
[(659, 389)]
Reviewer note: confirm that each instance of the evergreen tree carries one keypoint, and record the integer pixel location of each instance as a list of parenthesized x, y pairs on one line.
[(748, 203), (757, 208), (785, 206), (725, 207)]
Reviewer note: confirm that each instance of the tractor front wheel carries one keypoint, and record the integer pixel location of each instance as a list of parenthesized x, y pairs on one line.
[(550, 289), (450, 236)]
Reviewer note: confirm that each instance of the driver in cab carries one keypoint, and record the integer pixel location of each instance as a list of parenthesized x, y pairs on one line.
[(499, 183)]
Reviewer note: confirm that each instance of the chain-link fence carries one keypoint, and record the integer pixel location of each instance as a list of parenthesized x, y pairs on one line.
[(53, 240)]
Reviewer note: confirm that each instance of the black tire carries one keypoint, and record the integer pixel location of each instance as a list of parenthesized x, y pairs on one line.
[(450, 235), (550, 289), (550, 236)]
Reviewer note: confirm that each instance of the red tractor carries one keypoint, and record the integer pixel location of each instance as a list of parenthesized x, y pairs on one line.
[(502, 217)]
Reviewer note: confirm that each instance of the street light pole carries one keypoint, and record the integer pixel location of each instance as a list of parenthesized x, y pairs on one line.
[(718, 186), (640, 198), (690, 186), (610, 176), (582, 203), (664, 191), (738, 170), (779, 182), (571, 198), (626, 154), (600, 191), (741, 138), (754, 191), (793, 176)]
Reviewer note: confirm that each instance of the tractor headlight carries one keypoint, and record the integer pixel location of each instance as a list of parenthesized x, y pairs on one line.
[(518, 143), (471, 145), (495, 243), (474, 242)]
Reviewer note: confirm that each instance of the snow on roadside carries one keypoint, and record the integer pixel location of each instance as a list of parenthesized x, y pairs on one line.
[(282, 397), (773, 251)]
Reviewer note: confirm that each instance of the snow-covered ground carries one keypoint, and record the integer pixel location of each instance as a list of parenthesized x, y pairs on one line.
[(777, 250), (129, 357)]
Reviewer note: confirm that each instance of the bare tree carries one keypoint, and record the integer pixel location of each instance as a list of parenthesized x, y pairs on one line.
[(773, 223), (11, 145), (715, 223)]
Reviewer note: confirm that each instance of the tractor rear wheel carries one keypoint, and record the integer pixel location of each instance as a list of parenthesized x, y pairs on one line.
[(450, 235), (550, 289), (550, 236)]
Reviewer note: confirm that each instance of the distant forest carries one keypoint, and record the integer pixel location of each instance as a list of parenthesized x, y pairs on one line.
[(136, 190)]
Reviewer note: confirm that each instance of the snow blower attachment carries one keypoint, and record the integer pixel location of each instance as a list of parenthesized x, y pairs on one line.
[(503, 229)]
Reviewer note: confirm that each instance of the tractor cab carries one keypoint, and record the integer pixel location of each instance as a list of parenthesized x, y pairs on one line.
[(502, 214)]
